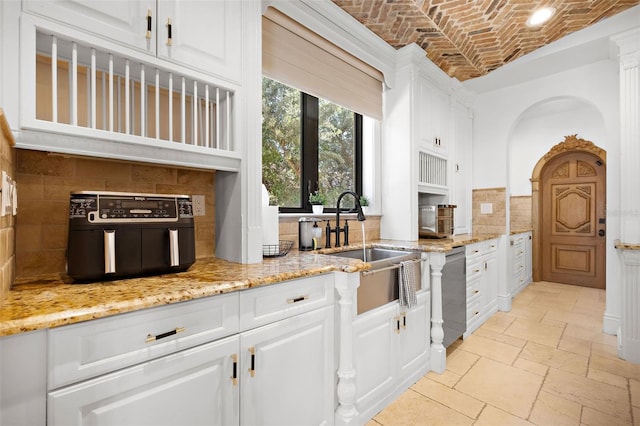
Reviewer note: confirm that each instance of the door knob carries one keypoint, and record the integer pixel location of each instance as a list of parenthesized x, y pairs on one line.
[(601, 232)]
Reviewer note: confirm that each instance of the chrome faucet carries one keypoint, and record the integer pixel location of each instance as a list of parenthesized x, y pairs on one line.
[(338, 230)]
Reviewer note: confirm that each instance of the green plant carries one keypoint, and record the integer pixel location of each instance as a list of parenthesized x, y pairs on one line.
[(364, 201), (317, 198)]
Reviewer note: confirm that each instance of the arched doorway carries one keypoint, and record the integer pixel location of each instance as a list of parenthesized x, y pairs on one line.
[(568, 212)]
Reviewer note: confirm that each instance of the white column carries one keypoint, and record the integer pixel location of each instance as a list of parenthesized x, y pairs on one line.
[(346, 285), (438, 351), (629, 55), (629, 335), (629, 51)]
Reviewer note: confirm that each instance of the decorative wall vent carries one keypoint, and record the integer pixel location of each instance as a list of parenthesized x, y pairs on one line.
[(432, 169)]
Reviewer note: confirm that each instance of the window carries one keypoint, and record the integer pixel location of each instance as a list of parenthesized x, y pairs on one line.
[(308, 144)]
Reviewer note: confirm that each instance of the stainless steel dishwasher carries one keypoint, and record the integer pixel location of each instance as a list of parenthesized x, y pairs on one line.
[(454, 296)]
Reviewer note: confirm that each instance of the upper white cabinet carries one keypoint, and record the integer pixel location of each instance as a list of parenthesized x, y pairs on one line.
[(461, 194), (206, 36), (131, 23), (432, 116)]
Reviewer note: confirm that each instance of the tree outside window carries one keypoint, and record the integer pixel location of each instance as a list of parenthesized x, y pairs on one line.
[(308, 144)]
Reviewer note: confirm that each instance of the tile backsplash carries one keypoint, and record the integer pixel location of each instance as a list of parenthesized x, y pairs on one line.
[(489, 211), (289, 229), (7, 222), (45, 181), (520, 209)]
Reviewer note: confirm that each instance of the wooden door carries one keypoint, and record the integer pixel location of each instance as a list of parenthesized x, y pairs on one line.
[(573, 220)]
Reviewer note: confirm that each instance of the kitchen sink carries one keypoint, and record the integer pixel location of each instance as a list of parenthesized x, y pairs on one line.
[(379, 285)]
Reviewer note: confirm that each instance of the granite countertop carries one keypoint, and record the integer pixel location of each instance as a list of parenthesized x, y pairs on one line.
[(520, 231), (626, 246), (53, 301)]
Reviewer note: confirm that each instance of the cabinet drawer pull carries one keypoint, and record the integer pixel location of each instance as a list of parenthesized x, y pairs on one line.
[(397, 324), (151, 338), (234, 376), (476, 313), (475, 271), (149, 24), (404, 320), (476, 291), (252, 369), (297, 299)]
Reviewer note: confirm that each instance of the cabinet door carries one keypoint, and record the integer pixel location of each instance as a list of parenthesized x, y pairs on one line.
[(191, 387), (287, 371), (490, 280), (375, 345), (124, 21), (206, 35), (432, 116), (415, 336)]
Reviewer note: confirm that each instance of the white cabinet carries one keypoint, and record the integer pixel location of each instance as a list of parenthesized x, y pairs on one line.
[(198, 362), (461, 194), (197, 34), (123, 21), (287, 375), (194, 386), (205, 35), (391, 347), (520, 261), (482, 283), (432, 116), (23, 379), (164, 365)]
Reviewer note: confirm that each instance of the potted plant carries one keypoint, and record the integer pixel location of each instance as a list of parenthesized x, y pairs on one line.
[(317, 200), (364, 203)]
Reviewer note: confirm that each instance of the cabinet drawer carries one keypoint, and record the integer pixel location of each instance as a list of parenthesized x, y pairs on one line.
[(474, 270), (474, 309), (473, 289), (80, 351), (265, 305), (479, 249)]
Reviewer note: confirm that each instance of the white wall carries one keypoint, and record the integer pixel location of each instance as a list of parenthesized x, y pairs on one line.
[(541, 127), (506, 121)]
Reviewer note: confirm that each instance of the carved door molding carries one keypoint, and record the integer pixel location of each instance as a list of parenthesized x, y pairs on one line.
[(567, 194)]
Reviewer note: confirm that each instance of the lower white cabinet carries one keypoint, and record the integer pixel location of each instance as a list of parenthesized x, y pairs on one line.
[(199, 363), (191, 387), (482, 283), (287, 375), (520, 261), (391, 348)]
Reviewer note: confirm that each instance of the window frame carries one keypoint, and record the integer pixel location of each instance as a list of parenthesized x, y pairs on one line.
[(309, 151)]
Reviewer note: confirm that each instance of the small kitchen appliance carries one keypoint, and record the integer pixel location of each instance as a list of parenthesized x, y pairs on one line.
[(435, 221), (309, 233), (116, 235)]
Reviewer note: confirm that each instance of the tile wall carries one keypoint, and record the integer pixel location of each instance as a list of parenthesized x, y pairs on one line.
[(289, 229), (494, 222), (45, 181), (520, 210), (7, 223)]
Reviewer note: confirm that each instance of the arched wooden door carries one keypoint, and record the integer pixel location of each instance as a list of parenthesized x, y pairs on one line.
[(573, 220)]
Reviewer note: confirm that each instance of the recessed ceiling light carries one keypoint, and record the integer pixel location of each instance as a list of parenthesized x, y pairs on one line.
[(540, 16)]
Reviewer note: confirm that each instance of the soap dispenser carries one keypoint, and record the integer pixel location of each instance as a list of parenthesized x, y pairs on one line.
[(308, 233)]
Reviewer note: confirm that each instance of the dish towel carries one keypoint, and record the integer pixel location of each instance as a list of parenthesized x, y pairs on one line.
[(407, 284)]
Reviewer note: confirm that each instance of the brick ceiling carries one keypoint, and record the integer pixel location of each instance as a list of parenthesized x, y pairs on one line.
[(470, 38)]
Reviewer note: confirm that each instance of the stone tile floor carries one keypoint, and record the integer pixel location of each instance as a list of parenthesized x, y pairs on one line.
[(547, 362)]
